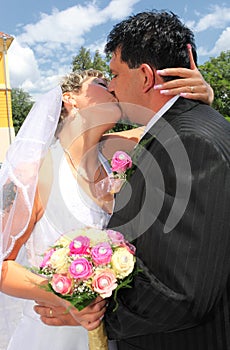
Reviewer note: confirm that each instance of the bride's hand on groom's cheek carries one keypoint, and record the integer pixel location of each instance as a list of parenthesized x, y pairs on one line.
[(89, 318)]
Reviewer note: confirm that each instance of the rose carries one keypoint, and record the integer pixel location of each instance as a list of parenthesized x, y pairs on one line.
[(116, 237), (81, 269), (96, 236), (79, 245), (120, 162), (122, 262), (104, 282), (59, 260), (131, 248), (45, 262), (61, 284), (101, 253), (64, 241)]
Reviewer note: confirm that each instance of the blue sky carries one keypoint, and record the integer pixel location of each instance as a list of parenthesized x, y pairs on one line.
[(47, 33)]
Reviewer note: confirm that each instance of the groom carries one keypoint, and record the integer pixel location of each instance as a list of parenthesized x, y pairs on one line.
[(179, 199), (177, 203)]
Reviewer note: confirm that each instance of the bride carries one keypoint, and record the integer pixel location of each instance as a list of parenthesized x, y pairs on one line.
[(47, 188)]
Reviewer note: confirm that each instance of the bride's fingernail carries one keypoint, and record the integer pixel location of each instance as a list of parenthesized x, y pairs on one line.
[(189, 46), (183, 94), (161, 71), (164, 92), (157, 87)]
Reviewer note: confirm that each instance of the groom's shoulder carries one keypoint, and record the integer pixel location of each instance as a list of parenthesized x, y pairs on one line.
[(195, 116)]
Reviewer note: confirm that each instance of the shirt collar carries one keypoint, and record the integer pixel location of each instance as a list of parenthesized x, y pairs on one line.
[(159, 114)]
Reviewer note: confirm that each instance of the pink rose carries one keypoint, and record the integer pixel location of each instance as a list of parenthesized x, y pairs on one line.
[(131, 248), (61, 284), (120, 162), (104, 283), (46, 258), (116, 237), (101, 253), (79, 245), (81, 269)]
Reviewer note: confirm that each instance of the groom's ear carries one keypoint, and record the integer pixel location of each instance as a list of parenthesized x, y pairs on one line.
[(148, 77)]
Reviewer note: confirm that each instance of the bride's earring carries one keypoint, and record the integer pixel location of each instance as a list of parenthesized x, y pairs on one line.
[(75, 112)]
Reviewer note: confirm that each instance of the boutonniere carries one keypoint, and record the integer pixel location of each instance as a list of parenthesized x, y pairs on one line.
[(122, 166), (120, 163)]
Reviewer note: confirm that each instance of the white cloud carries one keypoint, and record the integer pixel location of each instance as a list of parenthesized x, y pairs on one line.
[(118, 9), (218, 18), (22, 64), (68, 26), (98, 45), (222, 44)]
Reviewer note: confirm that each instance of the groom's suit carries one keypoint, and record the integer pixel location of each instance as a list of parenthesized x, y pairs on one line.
[(181, 299)]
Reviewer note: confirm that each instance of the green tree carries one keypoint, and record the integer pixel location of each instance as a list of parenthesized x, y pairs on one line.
[(217, 73), (99, 63), (21, 105), (82, 60)]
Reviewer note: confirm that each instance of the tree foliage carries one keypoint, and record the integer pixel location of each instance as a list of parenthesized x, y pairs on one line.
[(216, 72), (84, 60), (21, 105)]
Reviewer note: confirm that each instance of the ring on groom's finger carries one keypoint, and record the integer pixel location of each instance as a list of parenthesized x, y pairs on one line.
[(192, 89), (51, 313)]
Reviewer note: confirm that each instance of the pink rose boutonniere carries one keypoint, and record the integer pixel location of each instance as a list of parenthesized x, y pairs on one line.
[(120, 163)]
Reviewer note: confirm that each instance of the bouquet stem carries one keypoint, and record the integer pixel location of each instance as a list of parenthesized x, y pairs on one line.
[(98, 339)]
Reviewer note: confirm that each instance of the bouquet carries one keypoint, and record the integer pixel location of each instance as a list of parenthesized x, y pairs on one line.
[(120, 163), (91, 263)]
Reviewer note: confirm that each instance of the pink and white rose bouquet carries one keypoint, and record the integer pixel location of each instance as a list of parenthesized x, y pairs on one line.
[(94, 262), (91, 263)]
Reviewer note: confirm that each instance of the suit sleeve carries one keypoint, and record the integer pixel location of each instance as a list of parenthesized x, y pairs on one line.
[(184, 271)]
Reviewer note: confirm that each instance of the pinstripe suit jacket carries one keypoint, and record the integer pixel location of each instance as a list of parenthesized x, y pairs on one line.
[(181, 299)]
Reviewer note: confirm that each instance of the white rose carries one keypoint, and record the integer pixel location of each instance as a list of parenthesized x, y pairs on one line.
[(60, 260), (122, 262)]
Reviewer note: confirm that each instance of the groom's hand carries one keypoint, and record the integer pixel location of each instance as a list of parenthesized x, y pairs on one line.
[(89, 318)]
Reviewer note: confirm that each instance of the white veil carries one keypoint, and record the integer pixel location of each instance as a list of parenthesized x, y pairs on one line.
[(19, 172)]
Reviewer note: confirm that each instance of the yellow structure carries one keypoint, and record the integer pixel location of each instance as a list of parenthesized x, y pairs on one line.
[(6, 123)]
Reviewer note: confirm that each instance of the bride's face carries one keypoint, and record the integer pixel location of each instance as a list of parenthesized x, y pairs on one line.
[(94, 91), (97, 104)]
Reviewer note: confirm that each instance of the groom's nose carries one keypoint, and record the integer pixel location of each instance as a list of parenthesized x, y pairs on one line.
[(111, 89)]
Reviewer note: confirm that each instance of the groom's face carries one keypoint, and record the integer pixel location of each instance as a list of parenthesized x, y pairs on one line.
[(125, 83)]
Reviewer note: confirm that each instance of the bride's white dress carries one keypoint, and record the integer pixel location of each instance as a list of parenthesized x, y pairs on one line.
[(68, 208)]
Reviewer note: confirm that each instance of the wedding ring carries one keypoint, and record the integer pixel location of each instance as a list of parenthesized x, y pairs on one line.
[(192, 89), (51, 313)]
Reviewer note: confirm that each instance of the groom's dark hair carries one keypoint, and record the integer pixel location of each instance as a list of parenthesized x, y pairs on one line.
[(157, 38)]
